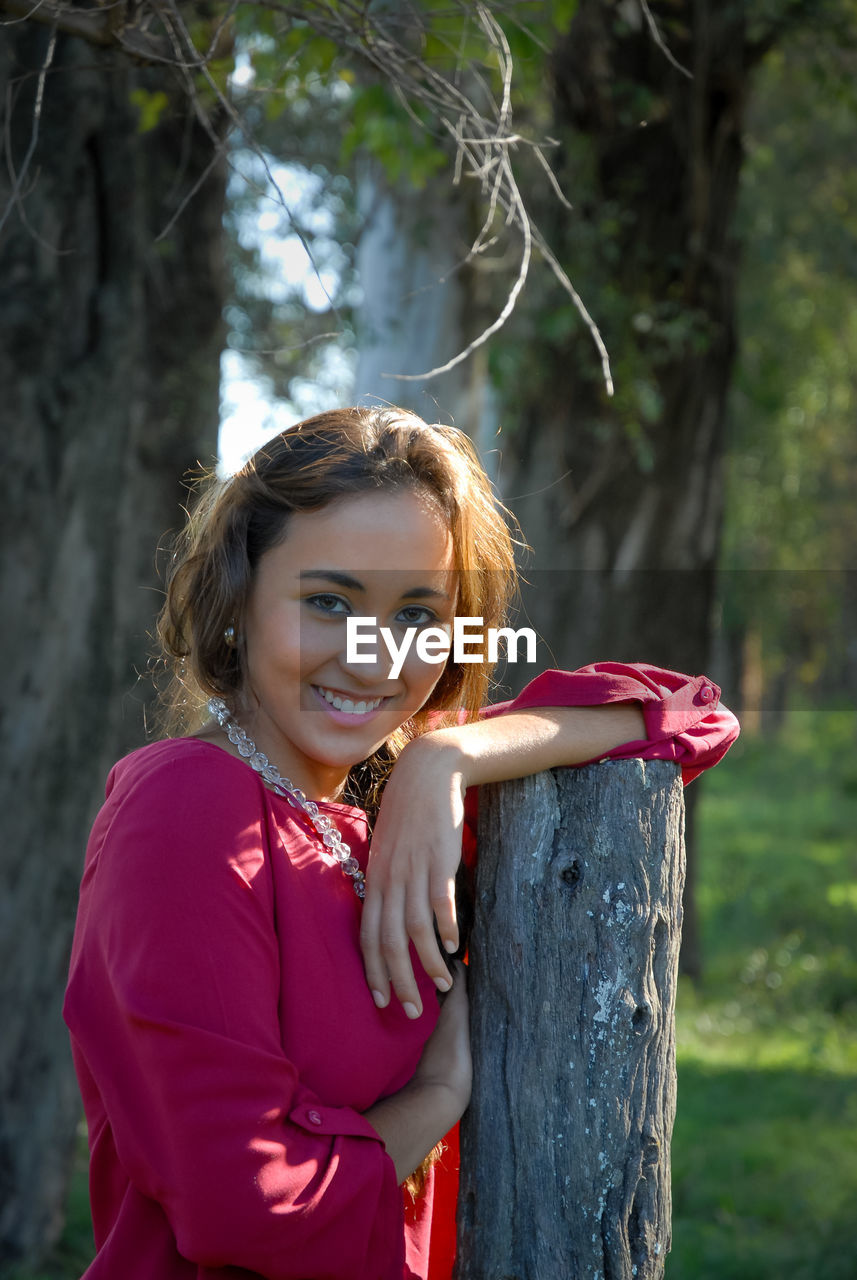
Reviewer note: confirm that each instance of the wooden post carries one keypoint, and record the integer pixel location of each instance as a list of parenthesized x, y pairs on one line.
[(573, 961)]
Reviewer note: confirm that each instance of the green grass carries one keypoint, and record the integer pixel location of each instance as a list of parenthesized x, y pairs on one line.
[(765, 1144)]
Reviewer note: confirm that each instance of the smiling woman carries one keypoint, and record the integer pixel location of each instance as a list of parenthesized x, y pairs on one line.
[(294, 633), (256, 1097)]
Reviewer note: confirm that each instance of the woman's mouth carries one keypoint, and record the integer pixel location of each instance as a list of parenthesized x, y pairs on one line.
[(348, 706)]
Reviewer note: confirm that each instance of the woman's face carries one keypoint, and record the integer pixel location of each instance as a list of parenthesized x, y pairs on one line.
[(385, 556)]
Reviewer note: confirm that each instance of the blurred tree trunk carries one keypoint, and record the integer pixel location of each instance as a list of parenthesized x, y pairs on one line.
[(652, 159), (625, 511), (420, 307), (109, 364)]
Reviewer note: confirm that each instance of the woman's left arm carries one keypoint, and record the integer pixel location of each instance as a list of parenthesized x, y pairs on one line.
[(620, 710), (416, 847)]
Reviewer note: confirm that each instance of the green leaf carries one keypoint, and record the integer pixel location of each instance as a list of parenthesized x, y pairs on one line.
[(151, 107)]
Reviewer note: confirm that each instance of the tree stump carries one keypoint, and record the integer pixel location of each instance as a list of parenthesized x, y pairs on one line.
[(573, 966)]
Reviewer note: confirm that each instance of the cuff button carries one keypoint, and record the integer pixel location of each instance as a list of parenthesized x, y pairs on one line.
[(706, 693), (314, 1117)]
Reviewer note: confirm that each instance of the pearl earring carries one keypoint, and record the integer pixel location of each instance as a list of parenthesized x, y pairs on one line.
[(229, 637)]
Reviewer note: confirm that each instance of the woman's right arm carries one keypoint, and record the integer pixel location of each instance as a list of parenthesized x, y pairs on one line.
[(173, 1006), (413, 1120)]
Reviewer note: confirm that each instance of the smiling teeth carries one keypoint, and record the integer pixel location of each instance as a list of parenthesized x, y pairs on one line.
[(345, 704)]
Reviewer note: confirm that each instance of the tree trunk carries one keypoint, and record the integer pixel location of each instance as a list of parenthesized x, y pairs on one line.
[(623, 498), (420, 308), (625, 517), (109, 366), (566, 1144)]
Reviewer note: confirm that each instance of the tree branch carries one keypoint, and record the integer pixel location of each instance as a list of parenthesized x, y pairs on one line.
[(477, 120), (18, 179), (97, 27)]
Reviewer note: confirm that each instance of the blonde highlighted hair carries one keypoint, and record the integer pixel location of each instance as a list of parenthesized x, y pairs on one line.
[(324, 459)]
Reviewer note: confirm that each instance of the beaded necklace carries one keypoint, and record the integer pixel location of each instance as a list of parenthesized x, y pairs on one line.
[(334, 848)]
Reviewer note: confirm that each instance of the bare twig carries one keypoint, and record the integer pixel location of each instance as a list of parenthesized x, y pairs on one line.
[(240, 124), (294, 346), (508, 306), (18, 180), (551, 259), (552, 179), (659, 40), (478, 121), (216, 158), (96, 26)]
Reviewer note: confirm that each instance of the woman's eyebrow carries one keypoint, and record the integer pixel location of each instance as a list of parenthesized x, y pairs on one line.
[(426, 593), (338, 578)]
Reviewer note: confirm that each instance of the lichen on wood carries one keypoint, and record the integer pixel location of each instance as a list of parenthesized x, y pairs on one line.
[(573, 959)]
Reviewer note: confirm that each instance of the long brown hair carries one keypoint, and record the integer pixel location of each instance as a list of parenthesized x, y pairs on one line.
[(326, 458), (321, 460)]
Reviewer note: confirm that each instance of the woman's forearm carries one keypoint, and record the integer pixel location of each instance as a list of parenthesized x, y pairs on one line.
[(415, 1119), (518, 743), (412, 1122), (416, 847)]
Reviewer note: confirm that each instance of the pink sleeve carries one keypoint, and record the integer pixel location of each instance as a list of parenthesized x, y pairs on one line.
[(685, 720), (173, 1007)]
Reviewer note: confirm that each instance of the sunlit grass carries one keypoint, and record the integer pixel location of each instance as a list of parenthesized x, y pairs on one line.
[(765, 1144)]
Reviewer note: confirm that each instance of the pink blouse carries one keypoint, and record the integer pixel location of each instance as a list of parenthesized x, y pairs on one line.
[(224, 1038)]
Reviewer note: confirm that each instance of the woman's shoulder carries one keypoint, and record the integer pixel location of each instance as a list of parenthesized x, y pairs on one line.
[(187, 775), (179, 808), (186, 768)]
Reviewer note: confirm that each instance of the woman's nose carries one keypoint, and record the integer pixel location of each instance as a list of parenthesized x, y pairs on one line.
[(367, 655)]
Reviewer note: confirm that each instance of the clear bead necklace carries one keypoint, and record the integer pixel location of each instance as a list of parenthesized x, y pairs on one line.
[(335, 850)]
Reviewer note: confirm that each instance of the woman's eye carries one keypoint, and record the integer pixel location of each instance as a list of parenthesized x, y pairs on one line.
[(328, 604), (416, 615)]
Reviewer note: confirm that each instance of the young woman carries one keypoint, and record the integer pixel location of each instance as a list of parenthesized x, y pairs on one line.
[(264, 1056)]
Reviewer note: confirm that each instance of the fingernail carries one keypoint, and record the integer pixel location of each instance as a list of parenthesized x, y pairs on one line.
[(450, 945), (380, 1000), (442, 984), (411, 1010)]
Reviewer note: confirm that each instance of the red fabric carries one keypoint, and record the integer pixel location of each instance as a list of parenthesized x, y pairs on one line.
[(683, 716), (224, 1039)]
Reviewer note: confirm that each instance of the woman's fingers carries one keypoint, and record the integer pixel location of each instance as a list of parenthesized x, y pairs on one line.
[(443, 907), (377, 976), (410, 881), (419, 923), (396, 915), (393, 945)]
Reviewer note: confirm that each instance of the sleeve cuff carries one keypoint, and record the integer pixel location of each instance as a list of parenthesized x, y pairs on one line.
[(680, 710), (317, 1118)]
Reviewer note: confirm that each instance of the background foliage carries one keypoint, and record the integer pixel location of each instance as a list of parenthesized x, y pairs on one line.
[(792, 458)]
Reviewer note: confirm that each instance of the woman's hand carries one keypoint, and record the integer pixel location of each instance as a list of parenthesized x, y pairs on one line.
[(416, 849), (413, 1120), (417, 843)]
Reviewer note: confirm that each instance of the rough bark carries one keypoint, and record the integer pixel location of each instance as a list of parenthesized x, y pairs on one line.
[(109, 364), (574, 953)]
